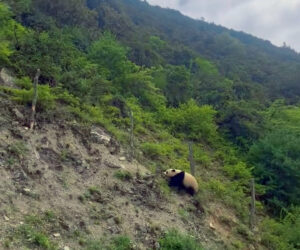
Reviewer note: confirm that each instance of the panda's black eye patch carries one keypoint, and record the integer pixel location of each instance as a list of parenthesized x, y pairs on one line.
[(173, 170)]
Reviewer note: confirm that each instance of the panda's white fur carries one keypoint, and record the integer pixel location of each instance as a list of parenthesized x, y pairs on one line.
[(186, 180)]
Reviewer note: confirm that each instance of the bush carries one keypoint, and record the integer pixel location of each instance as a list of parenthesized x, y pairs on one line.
[(35, 237), (123, 175), (46, 99), (155, 150), (239, 172), (121, 243), (195, 122), (283, 234), (174, 240), (276, 159), (116, 243)]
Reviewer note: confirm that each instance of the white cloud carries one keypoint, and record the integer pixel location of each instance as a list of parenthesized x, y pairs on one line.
[(274, 20)]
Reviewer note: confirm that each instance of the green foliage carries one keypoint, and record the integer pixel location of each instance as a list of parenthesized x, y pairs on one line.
[(231, 193), (196, 122), (156, 43), (184, 214), (24, 83), (177, 85), (156, 150), (174, 240), (276, 158), (242, 122), (34, 232), (17, 149), (36, 238), (20, 7), (73, 12), (46, 99), (139, 84), (283, 234), (121, 243), (116, 243), (52, 52), (219, 100), (94, 245), (9, 33), (123, 175), (239, 172), (110, 56)]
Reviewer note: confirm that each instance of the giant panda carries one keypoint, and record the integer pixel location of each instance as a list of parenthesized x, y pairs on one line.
[(181, 179)]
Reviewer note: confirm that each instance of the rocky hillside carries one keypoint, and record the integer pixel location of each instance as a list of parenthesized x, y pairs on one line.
[(66, 186), (120, 80)]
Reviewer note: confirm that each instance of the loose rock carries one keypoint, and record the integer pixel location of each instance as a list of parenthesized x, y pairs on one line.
[(18, 114), (56, 235), (98, 136), (113, 165)]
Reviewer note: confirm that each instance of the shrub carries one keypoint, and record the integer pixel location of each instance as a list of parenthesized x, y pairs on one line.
[(17, 149), (283, 234), (121, 243), (123, 175), (239, 172), (155, 150), (46, 99), (193, 121), (35, 237), (117, 243), (174, 240)]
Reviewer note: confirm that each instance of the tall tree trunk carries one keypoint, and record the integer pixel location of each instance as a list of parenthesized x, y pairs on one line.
[(252, 212), (131, 135), (191, 158), (34, 100)]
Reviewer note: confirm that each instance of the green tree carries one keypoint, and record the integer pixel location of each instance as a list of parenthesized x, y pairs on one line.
[(242, 122), (192, 121), (71, 12), (276, 158), (176, 87), (52, 52), (209, 87), (10, 33), (110, 56)]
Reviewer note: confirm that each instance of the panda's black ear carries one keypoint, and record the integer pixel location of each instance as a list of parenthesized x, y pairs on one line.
[(173, 170)]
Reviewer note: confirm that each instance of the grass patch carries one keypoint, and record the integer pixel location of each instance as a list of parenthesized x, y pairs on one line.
[(175, 240), (35, 238), (184, 214), (123, 175), (120, 242), (17, 150), (34, 233)]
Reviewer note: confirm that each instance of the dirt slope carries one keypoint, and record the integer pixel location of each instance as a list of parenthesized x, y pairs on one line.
[(81, 177)]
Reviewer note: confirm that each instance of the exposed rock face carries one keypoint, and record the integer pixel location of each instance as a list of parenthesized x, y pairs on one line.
[(99, 136), (6, 79)]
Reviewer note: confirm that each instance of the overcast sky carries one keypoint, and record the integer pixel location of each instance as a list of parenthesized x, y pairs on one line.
[(275, 20)]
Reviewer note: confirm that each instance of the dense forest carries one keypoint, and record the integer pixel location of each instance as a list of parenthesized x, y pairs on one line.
[(236, 97)]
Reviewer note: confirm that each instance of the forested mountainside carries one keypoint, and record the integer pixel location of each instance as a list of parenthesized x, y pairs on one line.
[(171, 81), (237, 55)]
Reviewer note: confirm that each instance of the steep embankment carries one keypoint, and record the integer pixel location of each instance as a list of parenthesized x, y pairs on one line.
[(65, 185)]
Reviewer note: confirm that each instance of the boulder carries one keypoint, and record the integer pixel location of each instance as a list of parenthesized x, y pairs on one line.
[(100, 137), (6, 78)]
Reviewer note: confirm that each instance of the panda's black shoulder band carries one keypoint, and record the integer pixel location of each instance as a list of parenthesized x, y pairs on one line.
[(177, 180)]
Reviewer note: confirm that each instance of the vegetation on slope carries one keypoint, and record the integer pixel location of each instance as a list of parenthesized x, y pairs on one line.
[(201, 83)]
